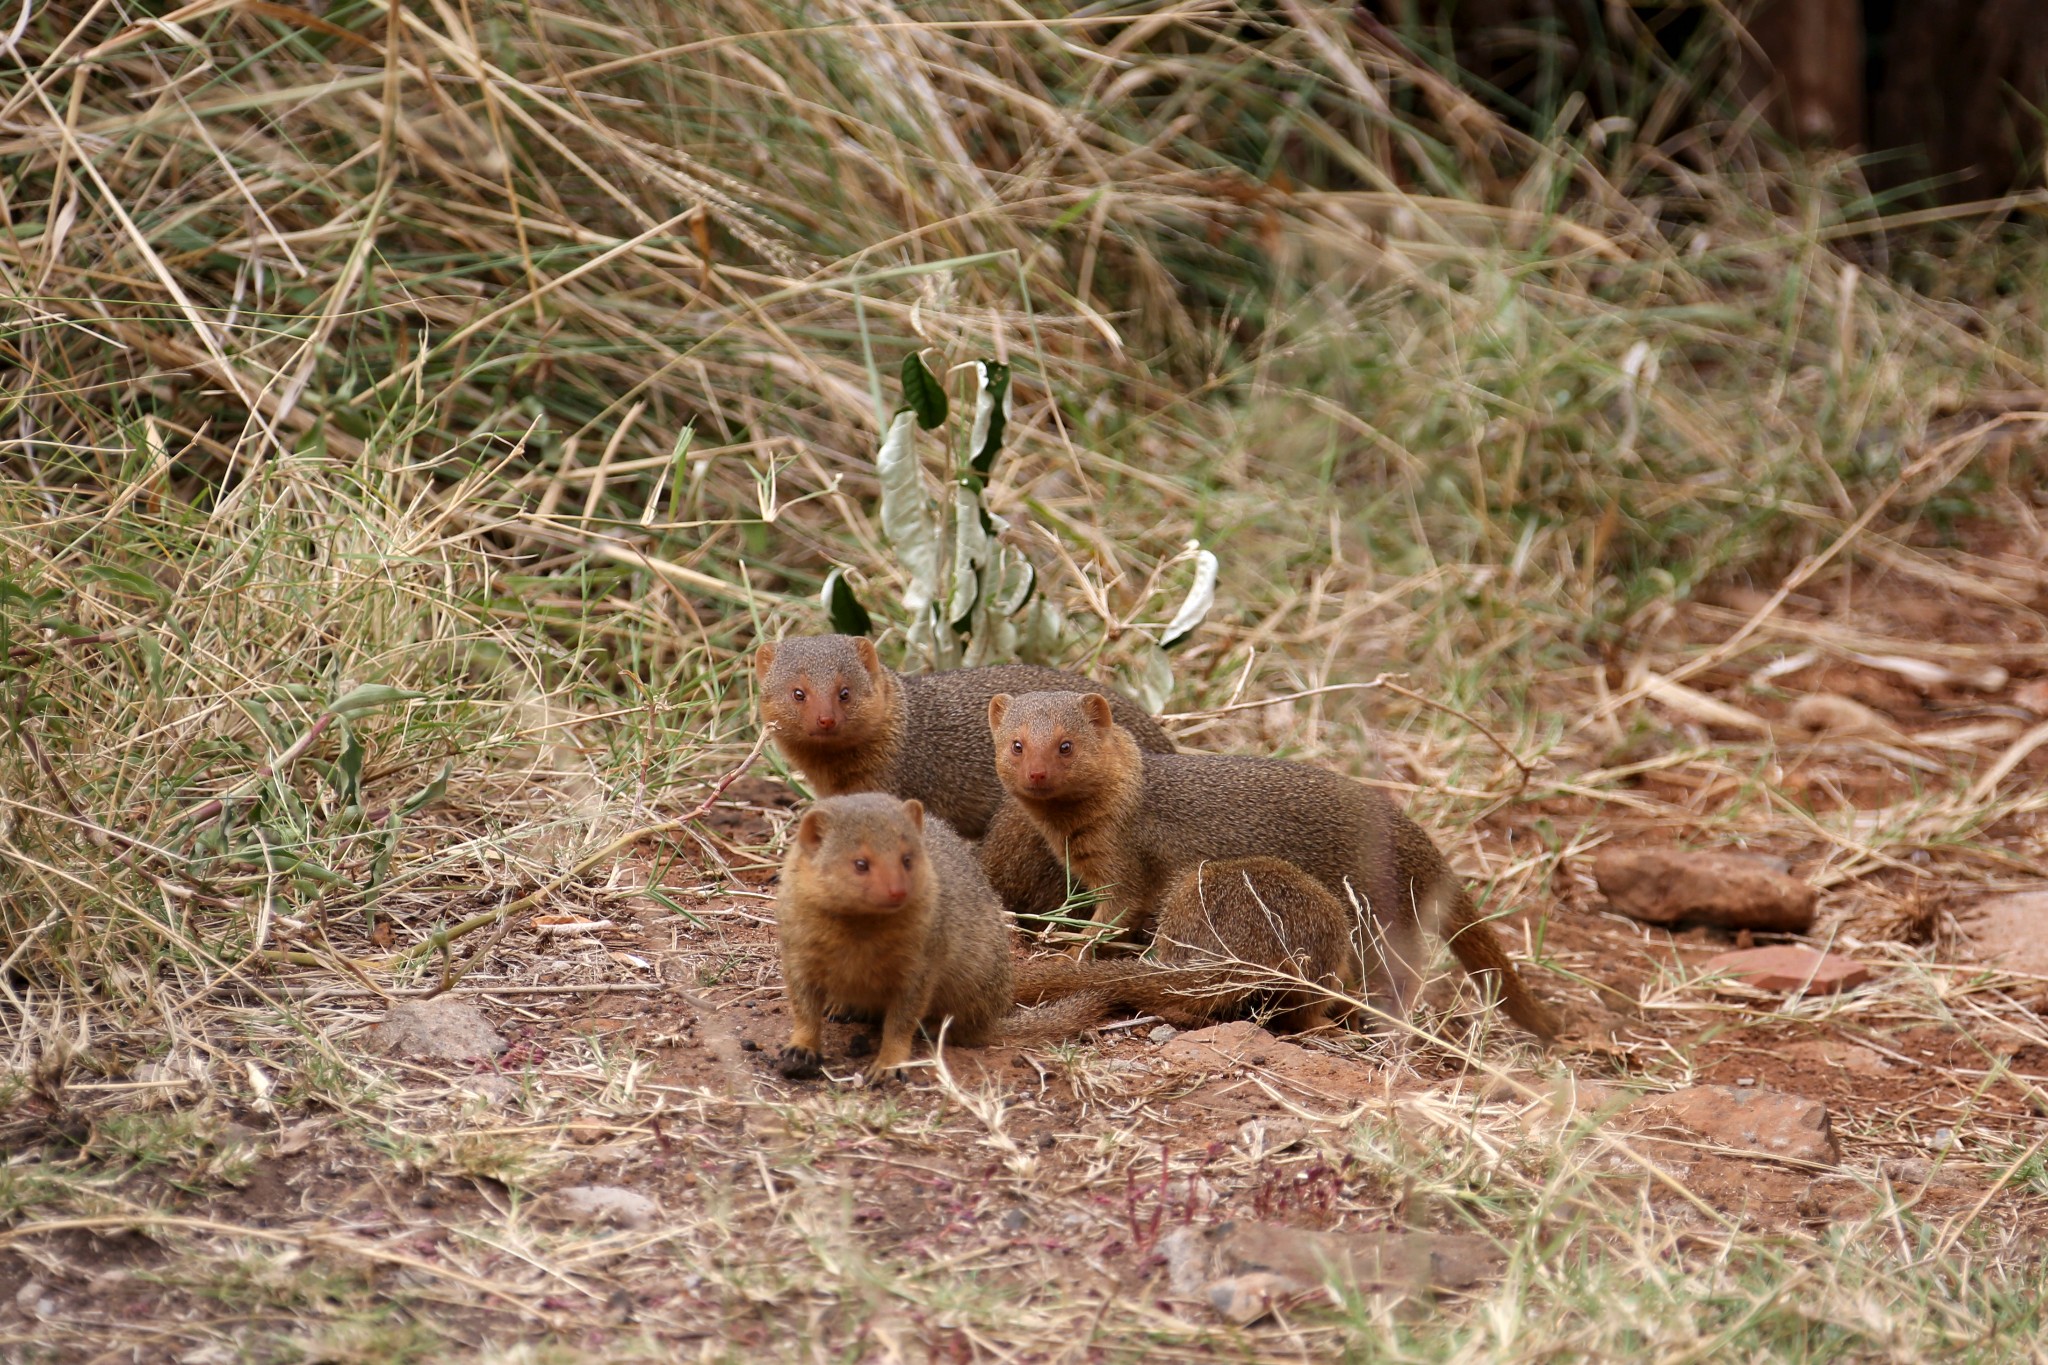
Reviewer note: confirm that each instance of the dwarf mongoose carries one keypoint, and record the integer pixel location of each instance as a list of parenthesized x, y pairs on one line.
[(882, 910), (1130, 823)]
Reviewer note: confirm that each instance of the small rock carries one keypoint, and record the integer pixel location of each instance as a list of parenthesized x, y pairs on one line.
[(2033, 696), (1015, 1221), (1262, 1137), (2010, 932), (1757, 1120), (1244, 1299), (1919, 1170), (607, 1205), (1297, 1261), (749, 1045), (34, 1300), (1823, 713), (491, 1089), (437, 1029), (1789, 967), (588, 1132), (1732, 890), (1163, 1033)]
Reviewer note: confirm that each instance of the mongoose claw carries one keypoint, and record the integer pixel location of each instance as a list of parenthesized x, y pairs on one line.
[(798, 1063)]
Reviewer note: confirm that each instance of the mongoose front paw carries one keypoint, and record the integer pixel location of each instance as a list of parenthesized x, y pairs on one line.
[(798, 1063), (883, 1075)]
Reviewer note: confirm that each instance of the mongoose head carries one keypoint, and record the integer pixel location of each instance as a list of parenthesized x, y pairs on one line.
[(863, 855), (821, 689), (1051, 745)]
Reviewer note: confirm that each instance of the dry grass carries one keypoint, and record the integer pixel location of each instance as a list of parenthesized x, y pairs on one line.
[(528, 361)]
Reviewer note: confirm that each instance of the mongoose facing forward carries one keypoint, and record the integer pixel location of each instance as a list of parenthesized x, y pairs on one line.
[(883, 910), (1228, 936), (1131, 823), (850, 725)]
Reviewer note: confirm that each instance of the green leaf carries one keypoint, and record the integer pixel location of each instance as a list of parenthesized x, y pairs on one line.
[(369, 696), (347, 772), (127, 580), (1195, 606), (910, 521), (1151, 677), (848, 616), (923, 394), (430, 793), (971, 544), (991, 414)]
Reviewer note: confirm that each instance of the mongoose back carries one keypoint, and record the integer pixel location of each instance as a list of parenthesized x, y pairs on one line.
[(1131, 823), (883, 910), (1229, 935), (850, 725)]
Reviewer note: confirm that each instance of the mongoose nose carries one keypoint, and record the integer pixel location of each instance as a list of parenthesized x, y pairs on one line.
[(897, 894), (1036, 779), (828, 723)]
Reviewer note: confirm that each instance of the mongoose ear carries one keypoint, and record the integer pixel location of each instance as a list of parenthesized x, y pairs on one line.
[(810, 831), (915, 810), (864, 650), (1095, 706), (764, 659), (998, 707)]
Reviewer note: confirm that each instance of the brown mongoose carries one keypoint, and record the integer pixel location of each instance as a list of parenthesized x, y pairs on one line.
[(1130, 823), (850, 725), (883, 910), (1229, 934)]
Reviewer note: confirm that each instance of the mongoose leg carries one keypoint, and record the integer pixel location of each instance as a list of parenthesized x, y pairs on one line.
[(800, 1060)]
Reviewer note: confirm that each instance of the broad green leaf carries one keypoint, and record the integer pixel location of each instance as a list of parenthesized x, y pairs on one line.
[(127, 580), (910, 521), (1045, 628), (1151, 677), (848, 616), (1195, 606), (971, 545), (347, 772), (991, 414), (1011, 582), (289, 692), (430, 793), (368, 697), (923, 394)]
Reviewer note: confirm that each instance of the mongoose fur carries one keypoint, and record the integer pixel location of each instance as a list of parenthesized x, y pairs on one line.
[(850, 725), (1130, 823), (882, 910), (1226, 935)]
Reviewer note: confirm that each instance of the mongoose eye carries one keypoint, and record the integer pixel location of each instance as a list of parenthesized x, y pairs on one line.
[(860, 865), (798, 694), (906, 862), (846, 694), (1016, 746), (1066, 746)]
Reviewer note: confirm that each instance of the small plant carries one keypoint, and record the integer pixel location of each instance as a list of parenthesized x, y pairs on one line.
[(970, 594)]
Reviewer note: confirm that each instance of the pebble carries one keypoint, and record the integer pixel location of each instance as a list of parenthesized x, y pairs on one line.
[(605, 1205), (1729, 890), (1755, 1120), (1789, 967), (439, 1029)]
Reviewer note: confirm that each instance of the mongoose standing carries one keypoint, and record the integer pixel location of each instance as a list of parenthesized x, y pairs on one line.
[(850, 725), (1130, 823), (883, 910), (1228, 936)]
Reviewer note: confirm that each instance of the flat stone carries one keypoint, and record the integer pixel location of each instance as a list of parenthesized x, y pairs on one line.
[(1789, 967), (603, 1205), (436, 1030), (1751, 1119), (2009, 932), (1304, 1074), (1200, 1263), (1731, 890)]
